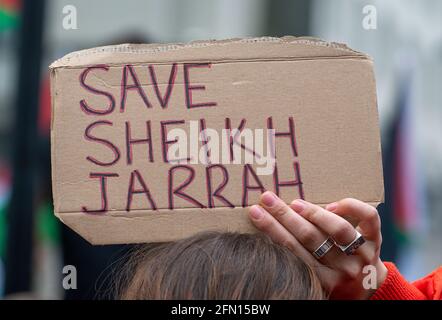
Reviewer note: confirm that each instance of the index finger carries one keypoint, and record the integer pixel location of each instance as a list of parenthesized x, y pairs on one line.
[(370, 222), (337, 227), (266, 223)]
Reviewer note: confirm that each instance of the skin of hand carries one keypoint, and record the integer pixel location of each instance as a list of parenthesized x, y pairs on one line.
[(303, 227)]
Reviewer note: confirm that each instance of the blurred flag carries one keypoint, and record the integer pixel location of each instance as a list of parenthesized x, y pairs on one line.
[(5, 190), (407, 195), (9, 14), (406, 186)]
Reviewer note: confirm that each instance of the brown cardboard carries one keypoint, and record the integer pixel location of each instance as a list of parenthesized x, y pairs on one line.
[(328, 90)]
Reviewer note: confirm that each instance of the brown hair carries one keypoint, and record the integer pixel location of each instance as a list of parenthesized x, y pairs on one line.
[(215, 265)]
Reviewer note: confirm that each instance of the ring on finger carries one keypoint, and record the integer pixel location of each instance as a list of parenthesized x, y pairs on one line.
[(352, 246), (323, 248)]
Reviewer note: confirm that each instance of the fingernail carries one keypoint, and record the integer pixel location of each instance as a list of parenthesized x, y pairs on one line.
[(298, 205), (268, 198), (332, 206), (256, 212)]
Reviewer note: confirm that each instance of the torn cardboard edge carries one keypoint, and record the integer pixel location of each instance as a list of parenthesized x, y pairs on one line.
[(209, 50)]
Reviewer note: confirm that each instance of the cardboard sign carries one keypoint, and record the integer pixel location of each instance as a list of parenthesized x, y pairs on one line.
[(149, 141)]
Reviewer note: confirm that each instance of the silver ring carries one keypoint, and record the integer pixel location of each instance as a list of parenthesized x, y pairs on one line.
[(355, 244), (323, 248)]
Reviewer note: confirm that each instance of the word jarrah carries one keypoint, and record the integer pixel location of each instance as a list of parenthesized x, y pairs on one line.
[(157, 142), (169, 124)]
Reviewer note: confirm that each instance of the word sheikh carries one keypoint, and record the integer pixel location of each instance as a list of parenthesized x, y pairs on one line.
[(168, 138), (226, 149)]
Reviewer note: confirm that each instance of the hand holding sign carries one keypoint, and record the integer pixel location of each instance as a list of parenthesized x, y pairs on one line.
[(303, 226)]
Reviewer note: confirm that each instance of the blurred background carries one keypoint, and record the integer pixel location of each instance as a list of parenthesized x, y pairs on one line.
[(404, 37)]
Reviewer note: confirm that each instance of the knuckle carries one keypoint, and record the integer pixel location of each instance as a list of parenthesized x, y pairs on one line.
[(265, 225), (373, 214), (370, 256), (343, 229), (279, 210), (350, 204), (287, 243), (353, 271), (310, 212), (346, 202), (307, 235)]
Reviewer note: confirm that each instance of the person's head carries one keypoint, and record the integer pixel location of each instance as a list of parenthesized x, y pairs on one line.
[(215, 265)]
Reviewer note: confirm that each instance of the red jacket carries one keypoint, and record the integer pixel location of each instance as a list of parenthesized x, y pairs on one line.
[(395, 287)]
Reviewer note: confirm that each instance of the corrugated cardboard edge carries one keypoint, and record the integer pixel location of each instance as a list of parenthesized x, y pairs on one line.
[(273, 48)]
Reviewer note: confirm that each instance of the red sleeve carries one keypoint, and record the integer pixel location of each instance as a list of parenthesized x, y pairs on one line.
[(396, 287), (431, 285)]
